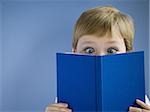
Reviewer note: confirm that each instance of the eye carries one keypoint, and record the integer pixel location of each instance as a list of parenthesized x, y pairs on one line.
[(112, 50), (89, 50)]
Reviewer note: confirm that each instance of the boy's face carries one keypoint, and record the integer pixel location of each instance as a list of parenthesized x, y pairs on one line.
[(91, 44)]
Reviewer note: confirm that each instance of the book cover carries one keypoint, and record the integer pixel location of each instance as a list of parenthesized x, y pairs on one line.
[(100, 83)]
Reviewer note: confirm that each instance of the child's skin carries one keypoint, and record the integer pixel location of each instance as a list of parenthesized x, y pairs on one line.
[(102, 31), (91, 44)]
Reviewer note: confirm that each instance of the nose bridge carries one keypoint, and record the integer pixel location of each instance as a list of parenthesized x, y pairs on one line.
[(101, 52), (101, 49)]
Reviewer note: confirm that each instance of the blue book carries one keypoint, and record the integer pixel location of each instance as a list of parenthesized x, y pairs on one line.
[(100, 83)]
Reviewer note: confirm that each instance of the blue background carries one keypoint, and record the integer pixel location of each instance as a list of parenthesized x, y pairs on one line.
[(32, 31)]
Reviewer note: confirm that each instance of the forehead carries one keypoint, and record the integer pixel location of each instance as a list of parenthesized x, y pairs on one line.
[(100, 39)]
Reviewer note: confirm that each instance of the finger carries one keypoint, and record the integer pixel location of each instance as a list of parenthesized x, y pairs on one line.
[(57, 109), (51, 111), (143, 110), (142, 104), (60, 104), (134, 109)]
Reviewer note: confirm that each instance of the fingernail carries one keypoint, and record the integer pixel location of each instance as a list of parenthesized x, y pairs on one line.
[(137, 100), (70, 110), (130, 108), (65, 104)]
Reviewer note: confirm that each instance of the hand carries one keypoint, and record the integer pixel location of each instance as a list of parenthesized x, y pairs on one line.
[(144, 107), (58, 107)]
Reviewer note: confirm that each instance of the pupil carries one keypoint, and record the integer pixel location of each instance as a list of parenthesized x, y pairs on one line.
[(90, 50), (111, 51)]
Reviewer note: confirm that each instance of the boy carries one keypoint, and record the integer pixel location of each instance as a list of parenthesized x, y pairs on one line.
[(102, 31)]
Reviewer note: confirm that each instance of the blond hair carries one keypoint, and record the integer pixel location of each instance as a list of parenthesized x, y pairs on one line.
[(104, 20)]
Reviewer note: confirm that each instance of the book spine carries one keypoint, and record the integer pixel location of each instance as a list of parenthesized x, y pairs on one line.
[(98, 84)]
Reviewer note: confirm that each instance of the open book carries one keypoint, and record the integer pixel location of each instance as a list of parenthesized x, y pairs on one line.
[(100, 83)]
